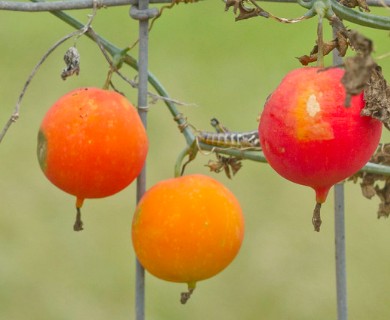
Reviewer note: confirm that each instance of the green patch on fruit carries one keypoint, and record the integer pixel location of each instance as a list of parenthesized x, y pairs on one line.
[(137, 215), (42, 150)]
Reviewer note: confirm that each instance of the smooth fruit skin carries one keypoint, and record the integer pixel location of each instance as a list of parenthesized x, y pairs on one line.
[(307, 134), (92, 143), (187, 229)]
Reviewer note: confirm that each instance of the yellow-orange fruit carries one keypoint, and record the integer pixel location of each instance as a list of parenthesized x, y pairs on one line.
[(187, 229)]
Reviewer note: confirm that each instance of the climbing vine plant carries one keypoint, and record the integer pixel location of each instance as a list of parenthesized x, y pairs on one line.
[(231, 148)]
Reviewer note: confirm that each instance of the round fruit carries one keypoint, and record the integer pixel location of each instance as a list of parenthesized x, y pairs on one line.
[(187, 229), (310, 137), (92, 143)]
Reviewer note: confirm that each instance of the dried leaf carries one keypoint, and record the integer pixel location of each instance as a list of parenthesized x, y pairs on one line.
[(72, 61), (245, 12), (230, 165), (362, 73), (360, 43), (370, 182), (358, 69), (377, 96), (233, 3), (368, 190), (305, 60), (362, 4), (235, 165), (384, 196), (340, 43), (328, 47)]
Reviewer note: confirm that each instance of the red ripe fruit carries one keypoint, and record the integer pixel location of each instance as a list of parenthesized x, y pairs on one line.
[(91, 144), (310, 137)]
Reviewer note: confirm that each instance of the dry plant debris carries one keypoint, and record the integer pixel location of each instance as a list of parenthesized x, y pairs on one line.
[(361, 4), (373, 184), (361, 71), (245, 12), (340, 43), (230, 165), (72, 61), (377, 96)]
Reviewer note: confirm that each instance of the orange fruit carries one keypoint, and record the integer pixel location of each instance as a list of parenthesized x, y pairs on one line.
[(187, 229), (91, 143)]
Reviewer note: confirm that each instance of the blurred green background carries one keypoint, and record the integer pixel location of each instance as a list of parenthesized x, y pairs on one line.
[(284, 270)]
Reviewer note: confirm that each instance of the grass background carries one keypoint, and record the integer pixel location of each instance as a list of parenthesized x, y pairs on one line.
[(284, 269)]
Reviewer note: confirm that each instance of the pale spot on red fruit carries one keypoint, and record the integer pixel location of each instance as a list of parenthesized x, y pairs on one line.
[(325, 142), (310, 125), (314, 131), (312, 106)]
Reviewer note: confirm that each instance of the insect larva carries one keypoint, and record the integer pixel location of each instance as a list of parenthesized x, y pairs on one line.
[(239, 140)]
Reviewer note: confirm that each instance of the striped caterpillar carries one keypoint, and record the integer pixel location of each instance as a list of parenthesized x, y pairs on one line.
[(229, 139)]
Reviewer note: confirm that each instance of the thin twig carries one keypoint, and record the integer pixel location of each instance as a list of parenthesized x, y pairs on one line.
[(385, 4), (132, 83), (113, 67), (15, 114), (284, 20), (383, 56), (175, 101)]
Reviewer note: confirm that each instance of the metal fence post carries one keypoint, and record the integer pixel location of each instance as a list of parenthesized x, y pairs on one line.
[(143, 14), (341, 276), (339, 229)]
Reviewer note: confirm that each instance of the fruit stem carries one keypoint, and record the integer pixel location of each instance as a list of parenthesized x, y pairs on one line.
[(316, 220), (185, 296), (191, 151), (320, 8), (78, 224)]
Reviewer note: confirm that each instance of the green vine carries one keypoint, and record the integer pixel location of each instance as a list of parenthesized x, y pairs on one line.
[(343, 12), (361, 18), (121, 55)]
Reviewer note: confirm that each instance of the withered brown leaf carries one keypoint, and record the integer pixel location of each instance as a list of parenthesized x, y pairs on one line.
[(245, 12), (371, 182), (340, 43), (230, 165), (362, 4), (327, 48), (377, 96)]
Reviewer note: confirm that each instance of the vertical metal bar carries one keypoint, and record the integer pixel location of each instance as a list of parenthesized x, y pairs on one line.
[(339, 223), (341, 276), (139, 291), (142, 110)]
